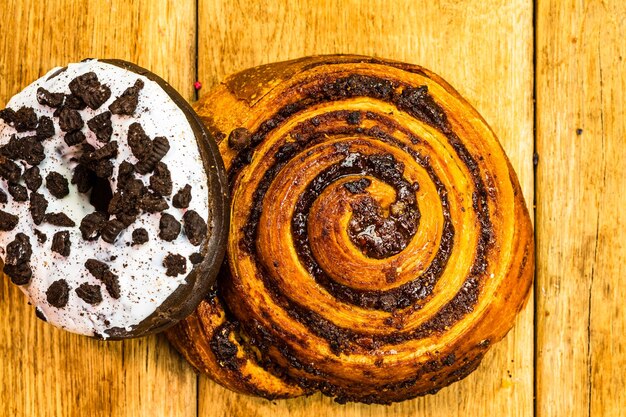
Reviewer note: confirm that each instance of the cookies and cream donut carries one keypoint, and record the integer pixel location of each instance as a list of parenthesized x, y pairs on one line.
[(112, 200)]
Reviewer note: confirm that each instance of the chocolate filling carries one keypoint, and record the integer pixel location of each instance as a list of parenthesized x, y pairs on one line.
[(418, 103), (386, 169)]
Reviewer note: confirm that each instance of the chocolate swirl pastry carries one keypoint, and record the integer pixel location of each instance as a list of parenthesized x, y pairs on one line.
[(379, 240), (114, 225)]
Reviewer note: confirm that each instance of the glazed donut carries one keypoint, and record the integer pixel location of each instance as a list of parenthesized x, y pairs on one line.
[(379, 241), (114, 200)]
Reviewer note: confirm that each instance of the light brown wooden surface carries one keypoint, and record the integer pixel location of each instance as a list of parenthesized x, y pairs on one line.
[(581, 222), (484, 49)]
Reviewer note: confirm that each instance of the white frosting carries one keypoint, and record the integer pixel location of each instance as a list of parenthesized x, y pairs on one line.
[(143, 282)]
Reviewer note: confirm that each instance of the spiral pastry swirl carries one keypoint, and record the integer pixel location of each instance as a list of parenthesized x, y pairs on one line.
[(379, 240)]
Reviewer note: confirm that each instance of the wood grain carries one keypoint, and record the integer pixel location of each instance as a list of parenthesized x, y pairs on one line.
[(484, 49), (44, 371), (581, 223)]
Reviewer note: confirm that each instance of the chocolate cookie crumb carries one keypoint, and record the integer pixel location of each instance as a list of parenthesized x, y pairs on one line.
[(239, 138), (74, 138), (96, 268), (135, 187), (87, 147), (18, 253), (195, 258), (175, 264), (169, 227), (41, 237), (9, 170), (61, 243), (153, 203), (8, 115), (73, 102), (19, 250), (161, 180), (105, 152), (70, 120), (19, 274), (25, 119), (101, 126), (195, 227), (182, 198), (160, 147), (83, 177), (127, 102), (27, 148), (46, 98), (39, 314), (122, 201), (90, 90), (32, 178), (18, 192), (57, 184), (33, 150), (140, 236), (38, 207), (140, 144), (91, 294), (111, 230), (103, 169), (126, 219), (92, 224), (125, 172), (45, 128), (58, 294), (59, 219), (101, 271), (3, 197), (8, 221)]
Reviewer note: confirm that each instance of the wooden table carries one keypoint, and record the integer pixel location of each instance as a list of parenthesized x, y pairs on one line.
[(550, 79)]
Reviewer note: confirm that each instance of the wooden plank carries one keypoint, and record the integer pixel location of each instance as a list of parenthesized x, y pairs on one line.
[(44, 371), (581, 224), (485, 50)]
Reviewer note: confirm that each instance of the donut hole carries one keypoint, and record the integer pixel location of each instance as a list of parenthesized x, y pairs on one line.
[(101, 194)]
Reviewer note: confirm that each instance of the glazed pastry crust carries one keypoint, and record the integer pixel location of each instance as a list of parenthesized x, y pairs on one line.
[(379, 240)]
